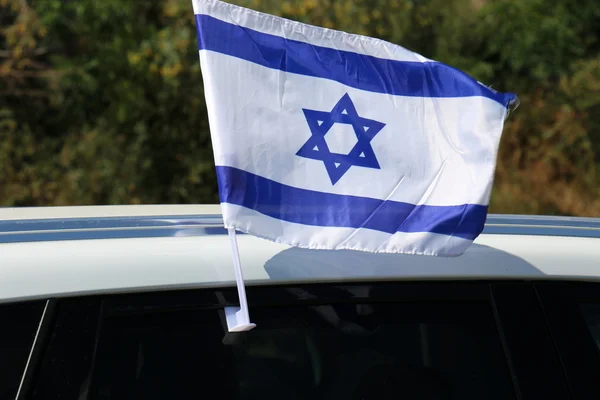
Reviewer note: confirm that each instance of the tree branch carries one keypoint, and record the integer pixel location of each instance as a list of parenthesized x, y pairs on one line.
[(24, 93), (30, 74), (34, 52)]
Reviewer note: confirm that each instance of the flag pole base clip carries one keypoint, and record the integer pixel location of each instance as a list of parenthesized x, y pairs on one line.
[(236, 322), (238, 318)]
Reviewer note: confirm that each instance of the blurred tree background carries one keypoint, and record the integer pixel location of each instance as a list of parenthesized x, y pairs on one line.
[(101, 102)]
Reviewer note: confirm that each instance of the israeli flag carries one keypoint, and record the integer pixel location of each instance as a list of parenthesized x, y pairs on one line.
[(328, 140)]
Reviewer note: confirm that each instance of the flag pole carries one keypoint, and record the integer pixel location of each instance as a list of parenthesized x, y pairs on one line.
[(238, 318)]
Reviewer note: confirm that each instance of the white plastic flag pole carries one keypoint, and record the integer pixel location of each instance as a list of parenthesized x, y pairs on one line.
[(238, 318)]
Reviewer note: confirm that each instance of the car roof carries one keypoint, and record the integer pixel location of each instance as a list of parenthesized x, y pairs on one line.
[(67, 251)]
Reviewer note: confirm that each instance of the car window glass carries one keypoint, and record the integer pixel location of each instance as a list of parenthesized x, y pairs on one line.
[(62, 370), (591, 315), (18, 326), (329, 351)]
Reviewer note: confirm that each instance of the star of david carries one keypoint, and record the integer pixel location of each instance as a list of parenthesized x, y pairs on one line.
[(320, 122)]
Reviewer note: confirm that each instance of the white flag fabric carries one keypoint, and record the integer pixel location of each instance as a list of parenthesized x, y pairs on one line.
[(329, 140)]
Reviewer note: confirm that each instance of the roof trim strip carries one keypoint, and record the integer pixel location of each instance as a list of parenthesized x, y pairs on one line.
[(52, 229)]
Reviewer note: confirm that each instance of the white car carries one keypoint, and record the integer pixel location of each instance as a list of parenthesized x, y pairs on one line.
[(127, 302)]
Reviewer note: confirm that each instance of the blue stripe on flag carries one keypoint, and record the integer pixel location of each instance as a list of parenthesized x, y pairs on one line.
[(309, 207), (430, 79)]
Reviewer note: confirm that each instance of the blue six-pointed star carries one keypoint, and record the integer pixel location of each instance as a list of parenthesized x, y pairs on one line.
[(320, 122)]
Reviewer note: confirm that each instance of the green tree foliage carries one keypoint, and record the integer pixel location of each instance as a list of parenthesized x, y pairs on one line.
[(101, 102), (114, 112)]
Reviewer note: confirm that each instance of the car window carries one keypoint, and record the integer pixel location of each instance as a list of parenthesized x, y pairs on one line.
[(18, 326), (330, 350), (67, 352), (572, 310), (591, 315)]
